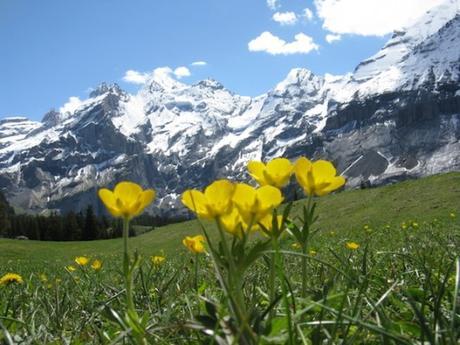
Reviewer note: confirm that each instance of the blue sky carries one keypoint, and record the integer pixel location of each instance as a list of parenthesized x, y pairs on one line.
[(55, 49)]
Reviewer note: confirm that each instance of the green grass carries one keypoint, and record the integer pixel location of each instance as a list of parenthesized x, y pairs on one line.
[(399, 287), (422, 200)]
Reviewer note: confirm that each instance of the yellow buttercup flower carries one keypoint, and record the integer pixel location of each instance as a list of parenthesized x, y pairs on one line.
[(157, 260), (127, 200), (352, 245), (317, 178), (254, 204), (10, 278), (96, 265), (81, 260), (215, 201), (276, 173), (70, 268), (43, 277), (194, 243)]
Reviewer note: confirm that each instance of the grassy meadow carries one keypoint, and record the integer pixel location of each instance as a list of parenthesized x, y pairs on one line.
[(381, 269)]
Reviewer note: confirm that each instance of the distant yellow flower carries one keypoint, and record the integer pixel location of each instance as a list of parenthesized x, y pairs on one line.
[(194, 243), (127, 200), (215, 201), (157, 260), (254, 204), (43, 277), (70, 268), (415, 225), (276, 173), (313, 252), (10, 278), (317, 178), (403, 226), (96, 265), (452, 215), (296, 245), (81, 260), (352, 245)]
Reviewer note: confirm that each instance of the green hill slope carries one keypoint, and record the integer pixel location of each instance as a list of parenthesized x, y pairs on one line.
[(344, 214)]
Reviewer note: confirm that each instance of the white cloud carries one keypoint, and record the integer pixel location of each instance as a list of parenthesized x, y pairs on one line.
[(199, 63), (72, 104), (271, 44), (330, 38), (285, 18), (273, 4), (308, 14), (135, 77), (370, 17), (181, 72)]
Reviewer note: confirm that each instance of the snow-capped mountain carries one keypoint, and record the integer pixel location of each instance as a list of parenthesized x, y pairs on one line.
[(397, 115)]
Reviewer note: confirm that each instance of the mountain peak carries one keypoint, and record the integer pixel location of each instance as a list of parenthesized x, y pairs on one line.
[(104, 88), (210, 83), (162, 80), (297, 77)]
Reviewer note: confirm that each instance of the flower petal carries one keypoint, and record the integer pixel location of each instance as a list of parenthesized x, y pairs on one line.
[(244, 197), (278, 172), (127, 192), (301, 168), (219, 196), (256, 170), (268, 198), (323, 170), (196, 202)]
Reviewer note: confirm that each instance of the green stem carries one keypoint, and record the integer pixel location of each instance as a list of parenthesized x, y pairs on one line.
[(306, 233), (195, 280), (234, 280), (304, 270), (278, 264), (271, 286), (126, 271)]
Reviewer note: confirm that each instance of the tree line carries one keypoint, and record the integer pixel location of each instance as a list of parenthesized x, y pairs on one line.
[(84, 225)]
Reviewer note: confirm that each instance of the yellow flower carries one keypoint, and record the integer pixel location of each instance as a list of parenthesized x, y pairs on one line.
[(215, 201), (415, 225), (254, 204), (81, 260), (10, 278), (43, 277), (452, 215), (403, 226), (313, 252), (317, 178), (276, 173), (96, 265), (296, 245), (194, 243), (127, 200), (70, 268), (157, 260), (352, 245)]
